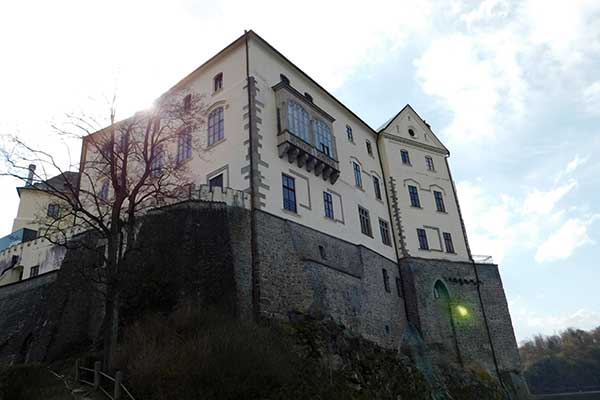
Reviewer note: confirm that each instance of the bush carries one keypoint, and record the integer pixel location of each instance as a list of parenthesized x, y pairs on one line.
[(203, 354)]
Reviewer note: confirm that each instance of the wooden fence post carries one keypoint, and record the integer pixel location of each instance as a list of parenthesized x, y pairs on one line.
[(118, 381), (97, 365), (77, 364)]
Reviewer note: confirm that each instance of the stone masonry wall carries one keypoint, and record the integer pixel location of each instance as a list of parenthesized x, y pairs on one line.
[(305, 270), (471, 336)]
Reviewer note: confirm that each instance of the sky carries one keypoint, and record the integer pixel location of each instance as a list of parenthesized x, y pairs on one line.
[(511, 87)]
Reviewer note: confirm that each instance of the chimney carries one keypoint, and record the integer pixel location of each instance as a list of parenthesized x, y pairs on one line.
[(30, 176)]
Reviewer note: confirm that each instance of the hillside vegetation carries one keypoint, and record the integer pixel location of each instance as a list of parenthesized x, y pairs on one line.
[(563, 363)]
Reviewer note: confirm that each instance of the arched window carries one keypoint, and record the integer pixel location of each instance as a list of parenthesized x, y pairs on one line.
[(440, 291), (324, 140), (216, 127), (298, 121)]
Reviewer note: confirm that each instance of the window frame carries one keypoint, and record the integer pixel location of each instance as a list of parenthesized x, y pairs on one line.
[(218, 82), (438, 198), (187, 103), (53, 210), (104, 190), (364, 218), (429, 163), (212, 178), (290, 199), (448, 240), (376, 187), (413, 194), (349, 134), (357, 174), (386, 280), (422, 237), (328, 205), (405, 157), (384, 231), (369, 147), (216, 126), (184, 144), (323, 137), (158, 162), (298, 121), (34, 271)]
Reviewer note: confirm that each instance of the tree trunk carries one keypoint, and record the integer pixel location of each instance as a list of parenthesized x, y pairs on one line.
[(111, 329)]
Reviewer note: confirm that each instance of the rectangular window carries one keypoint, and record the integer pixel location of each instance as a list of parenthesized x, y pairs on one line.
[(414, 196), (349, 133), (289, 193), (405, 157), (365, 221), (53, 210), (187, 103), (439, 201), (216, 126), (103, 194), (328, 204), (369, 148), (376, 187), (448, 243), (157, 162), (386, 280), (34, 271), (357, 174), (184, 144), (384, 229), (216, 181), (423, 244), (218, 82), (398, 287), (429, 162)]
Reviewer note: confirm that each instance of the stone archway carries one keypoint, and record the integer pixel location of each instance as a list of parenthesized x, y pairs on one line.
[(445, 324)]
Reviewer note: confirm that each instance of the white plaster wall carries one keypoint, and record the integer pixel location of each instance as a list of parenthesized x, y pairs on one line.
[(33, 205), (38, 252), (266, 67), (426, 181)]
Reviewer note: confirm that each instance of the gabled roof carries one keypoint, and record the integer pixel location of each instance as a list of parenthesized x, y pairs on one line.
[(423, 124)]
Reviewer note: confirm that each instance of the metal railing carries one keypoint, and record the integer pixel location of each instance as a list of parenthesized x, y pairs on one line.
[(115, 390), (480, 259)]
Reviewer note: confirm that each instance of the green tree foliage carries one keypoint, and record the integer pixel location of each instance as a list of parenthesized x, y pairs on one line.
[(563, 363)]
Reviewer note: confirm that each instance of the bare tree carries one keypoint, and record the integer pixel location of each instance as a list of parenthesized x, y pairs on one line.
[(125, 169)]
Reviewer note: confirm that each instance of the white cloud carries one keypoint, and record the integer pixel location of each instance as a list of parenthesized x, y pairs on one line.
[(576, 162), (563, 242), (543, 202), (591, 98)]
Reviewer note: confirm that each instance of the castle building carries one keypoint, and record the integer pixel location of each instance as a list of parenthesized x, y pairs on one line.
[(359, 223)]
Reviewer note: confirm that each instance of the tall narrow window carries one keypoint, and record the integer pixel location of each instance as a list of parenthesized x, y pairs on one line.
[(34, 271), (357, 174), (53, 210), (184, 144), (448, 243), (216, 126), (324, 141), (439, 201), (328, 204), (349, 133), (369, 148), (218, 82), (429, 163), (376, 187), (216, 181), (386, 280), (365, 221), (405, 157), (422, 235), (398, 287), (158, 160), (187, 103), (298, 121), (289, 193), (384, 229), (413, 192), (103, 194)]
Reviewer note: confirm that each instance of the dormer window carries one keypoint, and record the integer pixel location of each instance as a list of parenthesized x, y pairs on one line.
[(324, 141), (369, 148), (218, 82), (298, 121)]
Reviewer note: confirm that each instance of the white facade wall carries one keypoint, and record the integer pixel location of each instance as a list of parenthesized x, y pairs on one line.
[(396, 138), (266, 66)]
